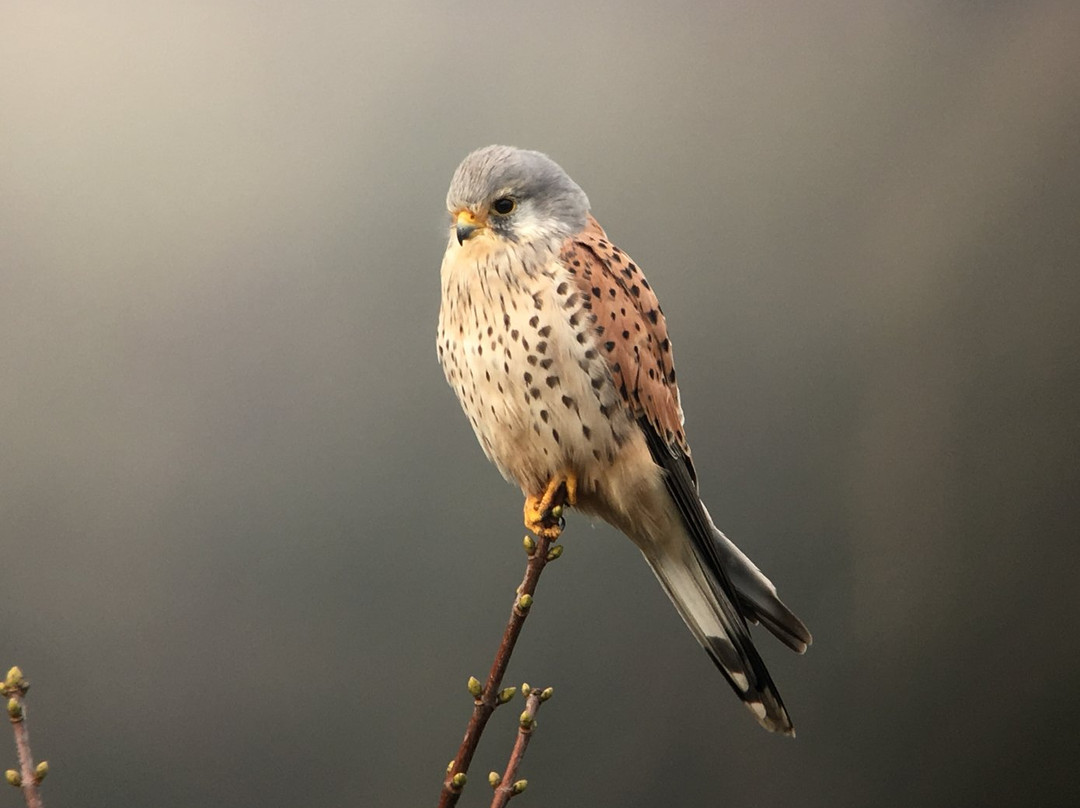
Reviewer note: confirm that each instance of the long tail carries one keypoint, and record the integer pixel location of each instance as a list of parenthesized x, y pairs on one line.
[(716, 589), (720, 627)]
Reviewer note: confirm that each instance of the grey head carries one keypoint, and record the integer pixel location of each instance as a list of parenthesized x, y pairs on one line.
[(515, 194)]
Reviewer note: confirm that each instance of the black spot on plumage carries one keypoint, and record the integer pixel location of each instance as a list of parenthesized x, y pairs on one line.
[(490, 330), (534, 321), (575, 318), (546, 363), (645, 283), (534, 392), (596, 291), (506, 367), (541, 347), (600, 330), (626, 334), (651, 314), (580, 337), (590, 354), (515, 334), (528, 377), (586, 432), (545, 331), (597, 382), (635, 291), (609, 346), (551, 381), (611, 292), (544, 416), (561, 288), (524, 343), (506, 320), (665, 345), (571, 301), (531, 359), (568, 402)]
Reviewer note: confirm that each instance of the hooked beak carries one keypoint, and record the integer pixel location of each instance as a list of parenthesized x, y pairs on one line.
[(466, 225)]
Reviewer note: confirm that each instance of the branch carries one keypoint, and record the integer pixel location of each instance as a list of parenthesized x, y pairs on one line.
[(488, 697), (29, 776), (506, 786)]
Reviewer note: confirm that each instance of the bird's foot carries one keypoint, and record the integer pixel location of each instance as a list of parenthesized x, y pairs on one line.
[(543, 514)]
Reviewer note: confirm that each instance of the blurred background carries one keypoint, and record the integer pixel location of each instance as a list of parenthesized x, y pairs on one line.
[(249, 548)]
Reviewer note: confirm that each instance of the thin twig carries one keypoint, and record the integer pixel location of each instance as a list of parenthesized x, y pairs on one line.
[(29, 776), (487, 699), (506, 786)]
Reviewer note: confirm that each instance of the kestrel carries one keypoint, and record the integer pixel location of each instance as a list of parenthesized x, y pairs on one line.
[(559, 353)]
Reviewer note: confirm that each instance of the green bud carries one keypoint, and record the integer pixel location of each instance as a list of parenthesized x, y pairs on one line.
[(547, 693), (506, 694), (458, 780), (475, 688), (526, 689), (530, 544), (41, 770), (556, 512), (14, 678), (524, 602), (519, 786), (13, 778), (554, 552), (449, 767), (526, 721), (494, 778), (15, 710)]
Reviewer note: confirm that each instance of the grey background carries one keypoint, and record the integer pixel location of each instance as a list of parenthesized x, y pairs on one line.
[(249, 550)]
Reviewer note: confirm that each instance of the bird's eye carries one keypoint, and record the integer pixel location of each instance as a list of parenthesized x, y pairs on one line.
[(504, 205)]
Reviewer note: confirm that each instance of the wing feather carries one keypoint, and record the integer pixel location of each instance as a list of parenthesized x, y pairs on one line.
[(633, 338)]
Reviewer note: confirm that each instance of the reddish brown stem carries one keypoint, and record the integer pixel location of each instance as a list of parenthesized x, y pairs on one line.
[(14, 689), (487, 701), (505, 790)]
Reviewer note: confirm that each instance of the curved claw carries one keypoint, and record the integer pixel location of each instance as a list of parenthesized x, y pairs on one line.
[(542, 513)]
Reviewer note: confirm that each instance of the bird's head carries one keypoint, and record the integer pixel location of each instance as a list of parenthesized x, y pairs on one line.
[(514, 196)]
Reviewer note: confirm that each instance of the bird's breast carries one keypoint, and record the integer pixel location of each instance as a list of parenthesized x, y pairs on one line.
[(517, 344)]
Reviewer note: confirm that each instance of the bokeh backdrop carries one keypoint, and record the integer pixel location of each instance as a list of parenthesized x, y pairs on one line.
[(249, 549)]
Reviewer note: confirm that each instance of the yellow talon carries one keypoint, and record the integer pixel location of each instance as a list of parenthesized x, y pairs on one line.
[(538, 509)]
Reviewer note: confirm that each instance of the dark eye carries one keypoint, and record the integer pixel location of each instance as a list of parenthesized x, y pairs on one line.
[(503, 205)]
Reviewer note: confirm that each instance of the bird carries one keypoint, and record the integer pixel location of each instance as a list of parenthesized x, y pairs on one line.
[(558, 351)]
